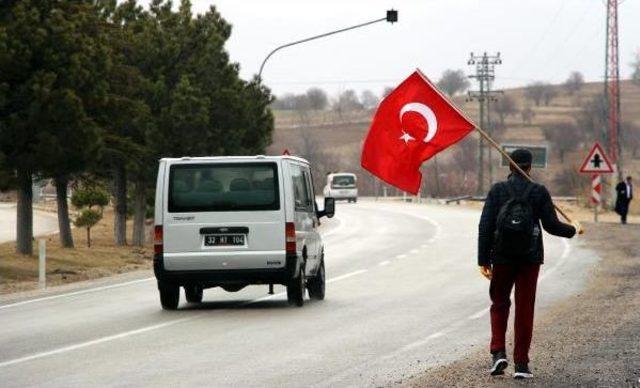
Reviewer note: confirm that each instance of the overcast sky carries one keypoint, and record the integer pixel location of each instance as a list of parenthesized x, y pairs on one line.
[(538, 39)]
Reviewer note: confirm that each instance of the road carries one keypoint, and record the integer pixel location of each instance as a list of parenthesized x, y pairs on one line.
[(403, 294), (43, 223)]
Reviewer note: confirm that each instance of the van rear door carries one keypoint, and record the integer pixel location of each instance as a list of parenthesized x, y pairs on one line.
[(224, 215)]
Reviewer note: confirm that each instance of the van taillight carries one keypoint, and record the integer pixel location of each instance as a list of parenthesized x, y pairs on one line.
[(290, 237), (157, 240)]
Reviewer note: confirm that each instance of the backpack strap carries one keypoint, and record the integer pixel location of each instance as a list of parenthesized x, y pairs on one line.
[(525, 193), (512, 192), (528, 190)]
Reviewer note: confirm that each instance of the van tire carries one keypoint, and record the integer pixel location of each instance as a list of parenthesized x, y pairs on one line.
[(316, 285), (169, 295), (296, 288), (193, 294)]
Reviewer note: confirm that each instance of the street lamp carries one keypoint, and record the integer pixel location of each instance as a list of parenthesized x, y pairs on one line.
[(392, 17)]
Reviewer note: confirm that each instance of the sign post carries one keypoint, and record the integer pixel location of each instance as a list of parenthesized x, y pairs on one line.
[(42, 263), (596, 163)]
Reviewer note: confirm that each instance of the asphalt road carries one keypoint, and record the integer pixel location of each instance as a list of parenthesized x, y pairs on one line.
[(43, 223), (403, 294)]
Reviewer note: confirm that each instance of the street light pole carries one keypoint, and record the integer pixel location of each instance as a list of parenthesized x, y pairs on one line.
[(392, 17)]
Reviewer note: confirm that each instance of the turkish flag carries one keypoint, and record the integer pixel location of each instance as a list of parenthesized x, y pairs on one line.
[(412, 124)]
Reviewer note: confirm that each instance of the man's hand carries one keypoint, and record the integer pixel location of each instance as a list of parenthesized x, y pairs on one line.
[(578, 226), (485, 270)]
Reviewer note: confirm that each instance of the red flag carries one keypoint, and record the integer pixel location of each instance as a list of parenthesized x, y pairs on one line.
[(412, 124)]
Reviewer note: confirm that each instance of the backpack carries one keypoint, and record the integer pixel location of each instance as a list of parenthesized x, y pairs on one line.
[(514, 236)]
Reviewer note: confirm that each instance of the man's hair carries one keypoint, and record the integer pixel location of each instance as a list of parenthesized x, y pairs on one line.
[(629, 177), (522, 157)]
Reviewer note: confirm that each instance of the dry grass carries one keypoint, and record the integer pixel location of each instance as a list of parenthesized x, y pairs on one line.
[(20, 273), (340, 138)]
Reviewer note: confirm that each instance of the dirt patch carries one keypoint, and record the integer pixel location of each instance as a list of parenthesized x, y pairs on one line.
[(20, 273), (591, 339)]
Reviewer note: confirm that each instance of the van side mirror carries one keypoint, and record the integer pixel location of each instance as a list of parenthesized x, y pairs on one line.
[(329, 208)]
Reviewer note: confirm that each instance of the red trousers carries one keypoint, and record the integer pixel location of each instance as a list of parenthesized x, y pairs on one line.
[(525, 278)]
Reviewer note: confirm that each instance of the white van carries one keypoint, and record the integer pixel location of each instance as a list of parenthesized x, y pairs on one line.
[(234, 221), (341, 186)]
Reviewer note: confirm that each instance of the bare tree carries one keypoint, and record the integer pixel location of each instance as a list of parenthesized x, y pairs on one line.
[(347, 101), (317, 99), (549, 93), (527, 114), (368, 99), (569, 182), (564, 137), (574, 83), (535, 92), (453, 82), (505, 106)]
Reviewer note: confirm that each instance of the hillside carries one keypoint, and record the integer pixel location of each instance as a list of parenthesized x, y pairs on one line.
[(333, 142)]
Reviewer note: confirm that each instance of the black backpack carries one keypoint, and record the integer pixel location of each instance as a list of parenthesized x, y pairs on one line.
[(514, 236)]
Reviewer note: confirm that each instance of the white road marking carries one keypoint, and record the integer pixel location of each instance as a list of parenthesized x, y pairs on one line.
[(401, 256), (94, 342), (479, 314), (335, 230), (565, 254), (422, 341), (383, 263), (423, 246), (74, 293), (147, 328), (347, 275), (414, 251)]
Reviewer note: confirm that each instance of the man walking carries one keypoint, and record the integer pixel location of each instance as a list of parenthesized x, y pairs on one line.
[(624, 191), (510, 252)]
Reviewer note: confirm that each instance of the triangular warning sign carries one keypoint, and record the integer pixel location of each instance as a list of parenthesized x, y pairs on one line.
[(596, 161)]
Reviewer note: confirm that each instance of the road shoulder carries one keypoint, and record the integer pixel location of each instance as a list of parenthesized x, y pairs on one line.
[(591, 338)]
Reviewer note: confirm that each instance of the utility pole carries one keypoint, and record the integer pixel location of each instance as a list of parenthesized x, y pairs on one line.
[(612, 86), (485, 74)]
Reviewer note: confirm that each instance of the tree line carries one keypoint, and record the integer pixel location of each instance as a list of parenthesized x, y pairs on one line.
[(95, 92)]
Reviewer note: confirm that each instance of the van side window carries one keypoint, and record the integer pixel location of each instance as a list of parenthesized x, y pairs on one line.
[(312, 194), (300, 189)]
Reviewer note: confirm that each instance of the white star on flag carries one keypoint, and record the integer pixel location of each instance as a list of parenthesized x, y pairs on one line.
[(406, 137)]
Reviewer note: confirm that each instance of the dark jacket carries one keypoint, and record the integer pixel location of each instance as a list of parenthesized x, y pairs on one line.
[(622, 202), (543, 210)]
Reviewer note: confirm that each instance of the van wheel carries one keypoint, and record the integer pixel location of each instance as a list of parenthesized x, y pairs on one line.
[(316, 285), (355, 200), (193, 294), (169, 295), (295, 289)]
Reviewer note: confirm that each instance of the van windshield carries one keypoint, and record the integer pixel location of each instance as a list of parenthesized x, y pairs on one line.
[(223, 187), (343, 181)]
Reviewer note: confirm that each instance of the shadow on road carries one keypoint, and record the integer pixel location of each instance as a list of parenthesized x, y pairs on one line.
[(242, 305)]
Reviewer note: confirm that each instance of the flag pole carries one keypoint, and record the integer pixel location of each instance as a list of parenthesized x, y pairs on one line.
[(495, 145), (492, 142)]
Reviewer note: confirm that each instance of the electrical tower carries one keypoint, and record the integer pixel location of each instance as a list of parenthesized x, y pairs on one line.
[(485, 74), (612, 85)]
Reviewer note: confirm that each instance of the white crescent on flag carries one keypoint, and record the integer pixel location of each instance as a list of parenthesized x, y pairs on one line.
[(427, 113)]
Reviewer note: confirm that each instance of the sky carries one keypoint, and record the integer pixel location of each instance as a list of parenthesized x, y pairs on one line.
[(539, 40)]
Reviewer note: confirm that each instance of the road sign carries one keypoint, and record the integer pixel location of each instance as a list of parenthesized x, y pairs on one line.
[(539, 154), (596, 188), (597, 162)]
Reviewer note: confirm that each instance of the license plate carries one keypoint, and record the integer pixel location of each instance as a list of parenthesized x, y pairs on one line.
[(217, 240)]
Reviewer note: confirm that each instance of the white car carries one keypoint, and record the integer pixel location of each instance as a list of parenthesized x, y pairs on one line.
[(234, 221), (341, 186)]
